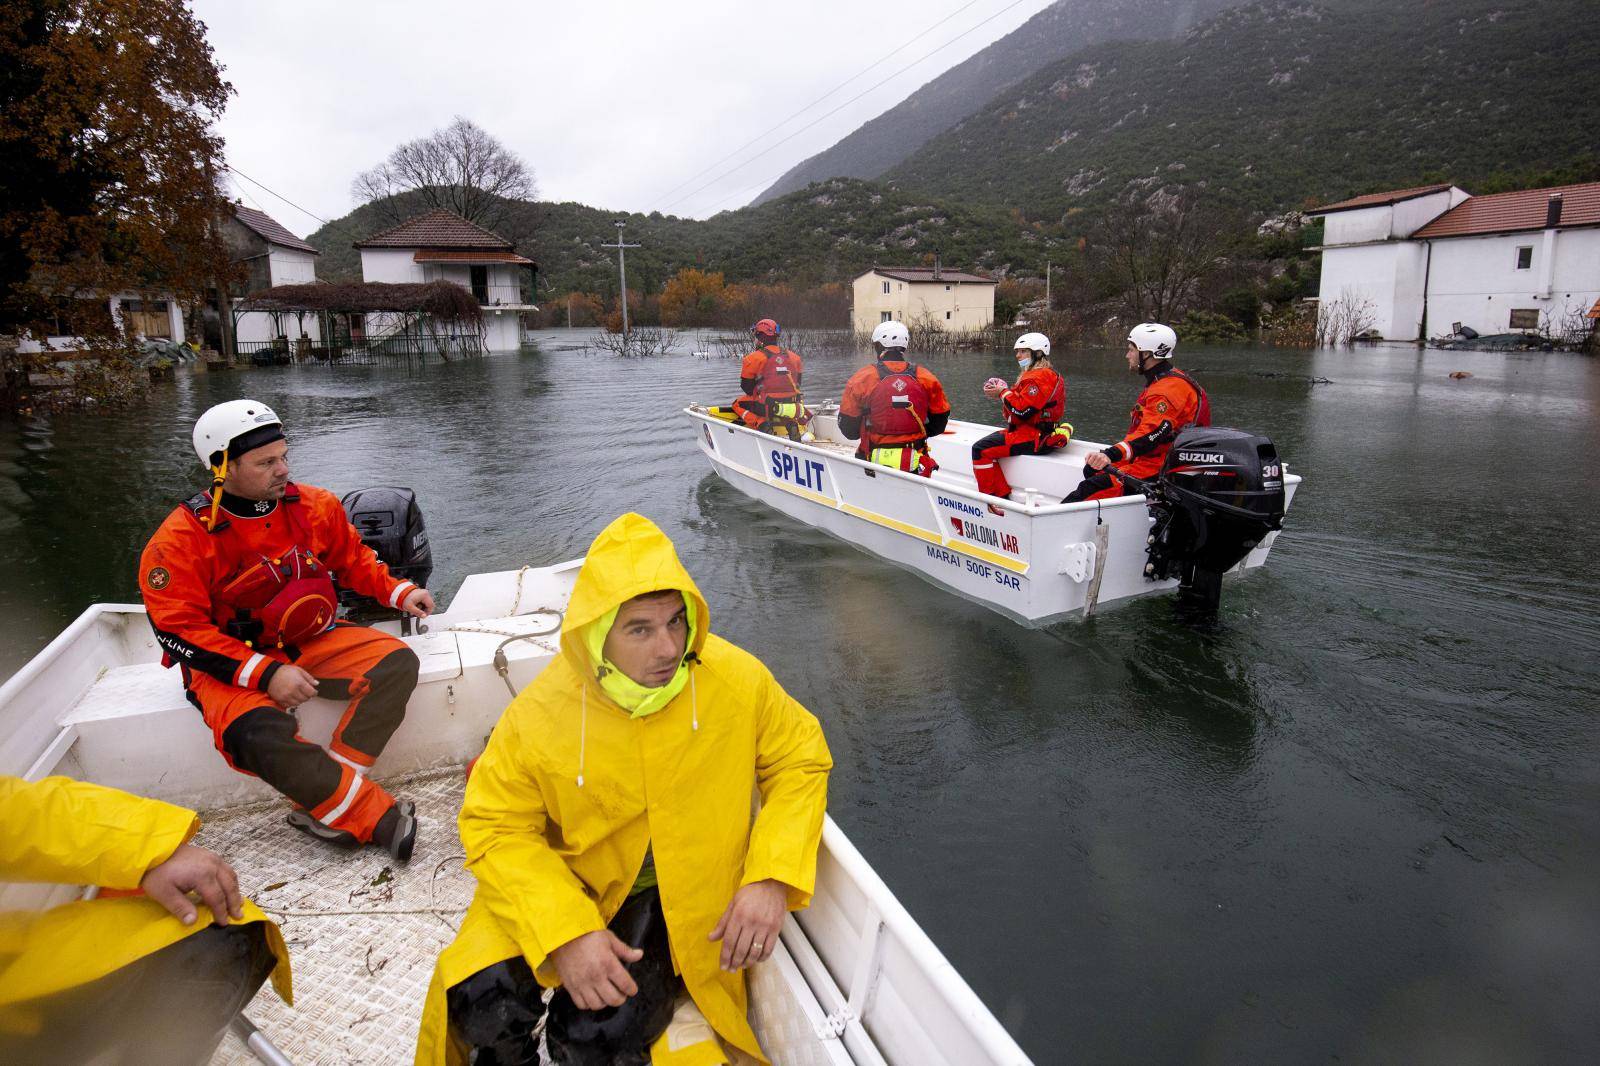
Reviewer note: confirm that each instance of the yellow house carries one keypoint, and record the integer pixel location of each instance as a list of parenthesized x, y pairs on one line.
[(948, 299)]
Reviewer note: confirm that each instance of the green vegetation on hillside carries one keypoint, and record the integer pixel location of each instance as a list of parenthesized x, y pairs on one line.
[(826, 233), (1271, 105), (1061, 29)]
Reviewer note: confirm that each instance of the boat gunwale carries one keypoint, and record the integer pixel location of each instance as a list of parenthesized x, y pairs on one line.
[(699, 412)]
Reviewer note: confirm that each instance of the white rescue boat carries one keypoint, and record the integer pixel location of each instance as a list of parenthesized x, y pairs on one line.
[(855, 980), (1038, 561)]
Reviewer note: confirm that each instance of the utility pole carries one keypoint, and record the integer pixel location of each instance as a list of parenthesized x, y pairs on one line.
[(1047, 286), (622, 270)]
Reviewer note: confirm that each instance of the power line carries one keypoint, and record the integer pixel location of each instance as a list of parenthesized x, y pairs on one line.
[(847, 103), (280, 196), (817, 101)]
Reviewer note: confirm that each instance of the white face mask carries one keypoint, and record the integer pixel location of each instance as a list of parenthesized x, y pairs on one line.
[(1023, 362)]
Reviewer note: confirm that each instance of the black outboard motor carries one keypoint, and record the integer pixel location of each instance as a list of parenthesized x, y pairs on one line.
[(390, 523), (1218, 495)]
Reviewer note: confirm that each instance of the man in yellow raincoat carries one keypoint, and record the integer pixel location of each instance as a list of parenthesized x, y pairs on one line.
[(609, 823), (138, 978)]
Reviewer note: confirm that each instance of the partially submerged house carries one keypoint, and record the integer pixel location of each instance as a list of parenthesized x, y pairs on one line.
[(953, 300), (443, 246), (1428, 261), (271, 256)]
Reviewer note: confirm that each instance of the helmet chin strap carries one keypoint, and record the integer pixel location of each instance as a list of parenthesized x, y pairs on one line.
[(219, 474)]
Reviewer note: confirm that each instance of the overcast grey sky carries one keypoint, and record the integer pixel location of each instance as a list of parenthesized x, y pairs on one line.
[(612, 103)]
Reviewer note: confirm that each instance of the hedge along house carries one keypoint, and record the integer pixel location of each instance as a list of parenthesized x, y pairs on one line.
[(952, 300), (1430, 260), (271, 256), (443, 246)]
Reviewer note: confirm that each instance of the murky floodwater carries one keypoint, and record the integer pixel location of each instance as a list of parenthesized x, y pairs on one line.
[(1357, 819)]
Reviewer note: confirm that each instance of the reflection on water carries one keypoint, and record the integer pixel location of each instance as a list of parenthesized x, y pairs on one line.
[(1354, 817)]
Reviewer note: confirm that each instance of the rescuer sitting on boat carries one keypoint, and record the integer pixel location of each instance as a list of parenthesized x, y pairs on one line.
[(1171, 401), (140, 973), (1033, 408), (770, 378), (609, 826), (239, 583), (893, 406)]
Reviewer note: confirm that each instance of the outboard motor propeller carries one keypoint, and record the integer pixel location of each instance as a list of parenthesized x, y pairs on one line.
[(1218, 495), (390, 523)]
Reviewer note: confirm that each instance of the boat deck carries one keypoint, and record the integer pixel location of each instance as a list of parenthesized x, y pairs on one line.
[(363, 933)]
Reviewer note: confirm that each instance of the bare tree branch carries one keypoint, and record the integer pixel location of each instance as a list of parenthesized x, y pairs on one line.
[(460, 168)]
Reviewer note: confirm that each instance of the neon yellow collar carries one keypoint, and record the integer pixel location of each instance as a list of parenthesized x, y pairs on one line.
[(638, 700)]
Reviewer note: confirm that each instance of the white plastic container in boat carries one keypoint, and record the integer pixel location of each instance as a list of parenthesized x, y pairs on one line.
[(854, 981), (1038, 562)]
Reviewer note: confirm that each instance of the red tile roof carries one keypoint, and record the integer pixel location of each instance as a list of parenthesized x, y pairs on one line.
[(437, 256), (926, 274), (436, 229), (1513, 212), (1594, 312), (1380, 199), (267, 228)]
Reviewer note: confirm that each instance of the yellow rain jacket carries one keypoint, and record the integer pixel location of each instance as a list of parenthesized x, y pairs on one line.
[(62, 831), (555, 859)]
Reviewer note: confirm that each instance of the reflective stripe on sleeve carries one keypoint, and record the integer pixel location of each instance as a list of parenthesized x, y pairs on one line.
[(400, 591), (248, 670)]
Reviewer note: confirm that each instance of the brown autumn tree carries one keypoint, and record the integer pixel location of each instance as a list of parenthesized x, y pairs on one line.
[(109, 166), (1158, 255), (461, 168)]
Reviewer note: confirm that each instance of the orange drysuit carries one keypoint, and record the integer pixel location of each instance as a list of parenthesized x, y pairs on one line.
[(191, 577), (1171, 401), (892, 407), (770, 373), (1033, 407)]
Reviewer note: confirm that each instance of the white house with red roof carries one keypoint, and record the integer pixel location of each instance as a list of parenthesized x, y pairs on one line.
[(1430, 260), (271, 255), (953, 300), (443, 246)]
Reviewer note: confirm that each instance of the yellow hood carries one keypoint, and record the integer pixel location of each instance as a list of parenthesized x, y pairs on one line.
[(630, 557)]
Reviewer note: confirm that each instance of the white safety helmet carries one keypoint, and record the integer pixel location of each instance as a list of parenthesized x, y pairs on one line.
[(892, 335), (1034, 342), (1154, 339), (227, 422)]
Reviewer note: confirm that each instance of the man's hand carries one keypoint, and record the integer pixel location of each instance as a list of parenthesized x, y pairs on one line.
[(291, 686), (418, 602), (1097, 461), (749, 927), (592, 972), (194, 869)]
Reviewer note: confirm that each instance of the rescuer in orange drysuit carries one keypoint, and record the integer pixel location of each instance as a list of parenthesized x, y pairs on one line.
[(1033, 409), (770, 378), (1171, 401), (239, 586), (893, 406)]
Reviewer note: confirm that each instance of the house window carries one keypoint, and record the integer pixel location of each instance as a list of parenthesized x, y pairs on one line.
[(947, 315), (886, 288), (883, 316), (480, 284), (1525, 257), (1524, 318), (947, 288)]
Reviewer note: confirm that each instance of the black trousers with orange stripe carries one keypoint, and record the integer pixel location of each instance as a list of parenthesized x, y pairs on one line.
[(374, 671)]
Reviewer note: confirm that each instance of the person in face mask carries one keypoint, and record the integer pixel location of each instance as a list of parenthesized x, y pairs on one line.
[(1033, 408), (608, 824)]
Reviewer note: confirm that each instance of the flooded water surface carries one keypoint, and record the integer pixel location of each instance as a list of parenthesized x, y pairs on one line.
[(1357, 819)]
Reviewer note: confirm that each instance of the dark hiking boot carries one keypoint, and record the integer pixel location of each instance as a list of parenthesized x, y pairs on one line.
[(397, 830), (301, 819)]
